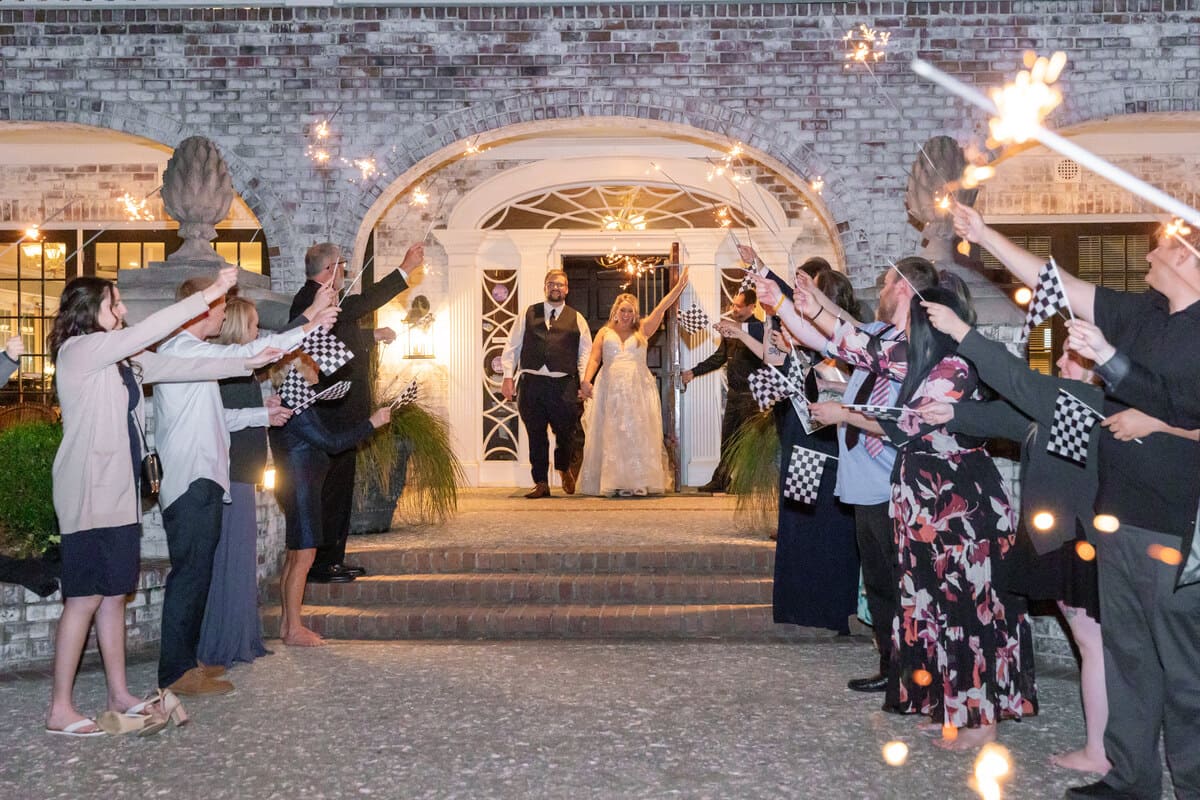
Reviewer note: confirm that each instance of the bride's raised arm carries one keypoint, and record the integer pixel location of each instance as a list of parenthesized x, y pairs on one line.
[(654, 318)]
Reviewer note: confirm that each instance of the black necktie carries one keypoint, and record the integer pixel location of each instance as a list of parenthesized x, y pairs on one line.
[(553, 316)]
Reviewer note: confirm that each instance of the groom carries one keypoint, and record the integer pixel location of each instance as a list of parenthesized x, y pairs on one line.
[(548, 350)]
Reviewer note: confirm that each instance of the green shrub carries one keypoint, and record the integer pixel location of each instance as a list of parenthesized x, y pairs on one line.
[(754, 472), (28, 526)]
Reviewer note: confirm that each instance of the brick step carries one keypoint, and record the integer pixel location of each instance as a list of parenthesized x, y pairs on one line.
[(540, 621), (754, 558), (523, 587)]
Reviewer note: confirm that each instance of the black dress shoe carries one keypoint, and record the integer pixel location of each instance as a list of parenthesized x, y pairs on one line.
[(353, 570), (712, 487), (1098, 789), (875, 683), (329, 575)]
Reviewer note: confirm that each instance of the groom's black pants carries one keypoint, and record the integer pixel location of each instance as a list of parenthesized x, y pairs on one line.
[(546, 403)]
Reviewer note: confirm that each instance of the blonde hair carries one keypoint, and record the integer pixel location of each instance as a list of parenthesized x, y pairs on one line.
[(555, 273), (236, 327), (627, 299), (301, 361)]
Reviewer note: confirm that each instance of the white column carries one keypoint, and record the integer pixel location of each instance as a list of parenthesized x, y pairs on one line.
[(704, 251), (464, 372)]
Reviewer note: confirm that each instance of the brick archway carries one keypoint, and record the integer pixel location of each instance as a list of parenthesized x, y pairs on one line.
[(425, 148), (125, 118)]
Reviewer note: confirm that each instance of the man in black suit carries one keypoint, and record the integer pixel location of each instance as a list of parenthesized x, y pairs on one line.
[(323, 263), (549, 348), (739, 362)]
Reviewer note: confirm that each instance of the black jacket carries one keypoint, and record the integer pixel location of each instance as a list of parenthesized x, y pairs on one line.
[(737, 359)]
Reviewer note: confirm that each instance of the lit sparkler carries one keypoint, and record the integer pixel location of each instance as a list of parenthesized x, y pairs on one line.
[(367, 167), (136, 209), (974, 174), (1176, 229), (1028, 100), (865, 44), (817, 184), (1018, 124), (419, 197)]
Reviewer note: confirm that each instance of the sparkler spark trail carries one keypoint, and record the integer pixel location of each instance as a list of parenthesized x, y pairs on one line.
[(135, 209), (1059, 144), (1176, 229), (992, 765), (98, 233)]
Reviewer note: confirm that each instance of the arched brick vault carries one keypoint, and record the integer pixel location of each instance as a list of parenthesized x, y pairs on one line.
[(667, 112), (128, 118)]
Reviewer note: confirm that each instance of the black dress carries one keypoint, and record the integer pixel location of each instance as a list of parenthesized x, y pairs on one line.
[(816, 556)]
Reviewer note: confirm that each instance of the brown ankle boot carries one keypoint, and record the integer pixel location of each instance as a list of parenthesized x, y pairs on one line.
[(195, 682)]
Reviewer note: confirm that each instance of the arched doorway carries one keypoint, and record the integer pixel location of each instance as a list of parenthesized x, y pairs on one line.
[(501, 213)]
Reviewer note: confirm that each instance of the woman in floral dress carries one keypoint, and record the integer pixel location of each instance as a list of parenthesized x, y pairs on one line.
[(958, 654)]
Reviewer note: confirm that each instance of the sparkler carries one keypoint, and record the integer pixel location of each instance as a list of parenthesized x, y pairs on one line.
[(97, 234), (34, 232), (136, 210), (1176, 229), (1023, 101)]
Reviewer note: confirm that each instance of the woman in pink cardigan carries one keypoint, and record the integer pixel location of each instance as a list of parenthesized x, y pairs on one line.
[(100, 366)]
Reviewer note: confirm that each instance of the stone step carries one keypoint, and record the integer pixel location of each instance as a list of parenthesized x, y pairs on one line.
[(542, 621), (525, 587), (753, 558)]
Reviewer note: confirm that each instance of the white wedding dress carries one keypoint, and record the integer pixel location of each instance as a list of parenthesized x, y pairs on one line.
[(623, 451)]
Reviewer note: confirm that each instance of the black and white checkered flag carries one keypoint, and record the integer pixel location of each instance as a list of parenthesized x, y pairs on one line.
[(747, 282), (694, 319), (409, 395), (327, 350), (1072, 427), (335, 392), (886, 413), (803, 479), (295, 392), (1049, 298), (769, 386)]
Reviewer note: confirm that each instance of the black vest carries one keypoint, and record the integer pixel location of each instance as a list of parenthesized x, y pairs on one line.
[(556, 347)]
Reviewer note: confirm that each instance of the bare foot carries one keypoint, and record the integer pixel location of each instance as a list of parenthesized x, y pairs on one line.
[(122, 703), (1082, 761), (304, 638), (968, 738)]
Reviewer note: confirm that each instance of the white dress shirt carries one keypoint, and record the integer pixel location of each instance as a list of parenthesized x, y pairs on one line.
[(190, 430), (511, 358)]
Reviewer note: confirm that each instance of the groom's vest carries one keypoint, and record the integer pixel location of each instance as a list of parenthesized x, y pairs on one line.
[(556, 347)]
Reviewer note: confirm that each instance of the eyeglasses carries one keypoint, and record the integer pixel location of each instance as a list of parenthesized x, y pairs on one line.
[(555, 285)]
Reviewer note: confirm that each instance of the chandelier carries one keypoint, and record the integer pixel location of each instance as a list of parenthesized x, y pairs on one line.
[(627, 218), (630, 264)]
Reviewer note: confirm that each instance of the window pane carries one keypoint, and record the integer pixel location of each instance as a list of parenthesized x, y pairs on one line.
[(53, 290), (31, 259), (55, 259), (251, 256), (106, 260), (8, 261), (228, 251), (154, 251), (130, 255)]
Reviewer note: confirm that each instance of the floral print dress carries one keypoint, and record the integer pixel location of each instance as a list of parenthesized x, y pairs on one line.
[(958, 654)]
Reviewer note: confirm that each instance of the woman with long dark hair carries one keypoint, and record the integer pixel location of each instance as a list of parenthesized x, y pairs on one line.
[(100, 366), (958, 654)]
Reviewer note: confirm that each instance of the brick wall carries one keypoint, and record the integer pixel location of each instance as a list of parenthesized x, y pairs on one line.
[(409, 81)]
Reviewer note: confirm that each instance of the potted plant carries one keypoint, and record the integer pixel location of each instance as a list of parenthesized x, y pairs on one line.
[(29, 534), (407, 467)]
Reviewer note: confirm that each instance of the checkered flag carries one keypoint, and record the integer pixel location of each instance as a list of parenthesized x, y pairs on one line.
[(747, 282), (803, 479), (885, 413), (328, 351), (1072, 427), (409, 395), (295, 392), (694, 319), (1049, 299), (769, 386)]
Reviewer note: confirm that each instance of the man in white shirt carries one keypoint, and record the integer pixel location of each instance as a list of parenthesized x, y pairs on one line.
[(549, 349), (192, 438)]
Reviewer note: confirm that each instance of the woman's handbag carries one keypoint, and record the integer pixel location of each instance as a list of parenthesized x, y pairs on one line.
[(151, 469)]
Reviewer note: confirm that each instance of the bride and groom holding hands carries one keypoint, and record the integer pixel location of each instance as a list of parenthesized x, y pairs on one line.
[(614, 448)]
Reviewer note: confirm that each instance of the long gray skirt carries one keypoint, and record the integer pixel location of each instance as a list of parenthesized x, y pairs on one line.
[(232, 630)]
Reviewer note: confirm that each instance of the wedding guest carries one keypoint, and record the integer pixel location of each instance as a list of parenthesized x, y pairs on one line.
[(324, 266), (738, 361), (193, 440), (1151, 625), (547, 351), (232, 630), (1052, 558), (303, 448), (866, 457), (100, 366), (623, 451), (10, 357)]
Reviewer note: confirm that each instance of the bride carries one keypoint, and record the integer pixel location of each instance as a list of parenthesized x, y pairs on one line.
[(623, 451)]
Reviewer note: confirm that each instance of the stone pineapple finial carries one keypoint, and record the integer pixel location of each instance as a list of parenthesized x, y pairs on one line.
[(197, 192), (940, 162)]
